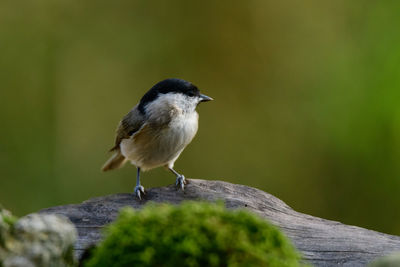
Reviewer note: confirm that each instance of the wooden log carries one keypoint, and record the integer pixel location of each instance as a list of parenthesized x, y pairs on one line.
[(322, 242)]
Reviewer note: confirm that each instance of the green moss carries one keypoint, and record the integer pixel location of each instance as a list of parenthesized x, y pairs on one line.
[(192, 234), (7, 221), (391, 260)]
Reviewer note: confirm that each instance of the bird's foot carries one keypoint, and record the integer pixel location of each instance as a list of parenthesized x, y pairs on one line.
[(139, 191), (180, 182)]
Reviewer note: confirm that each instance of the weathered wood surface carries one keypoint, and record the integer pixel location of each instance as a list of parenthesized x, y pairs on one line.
[(322, 242)]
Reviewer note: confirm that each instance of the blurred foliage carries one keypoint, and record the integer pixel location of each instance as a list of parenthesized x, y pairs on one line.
[(392, 260), (7, 221), (192, 234), (306, 98)]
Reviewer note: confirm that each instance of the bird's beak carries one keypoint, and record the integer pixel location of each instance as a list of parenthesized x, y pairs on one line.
[(204, 98)]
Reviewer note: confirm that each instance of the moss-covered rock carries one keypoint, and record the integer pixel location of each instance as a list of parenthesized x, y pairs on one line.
[(192, 234), (36, 240)]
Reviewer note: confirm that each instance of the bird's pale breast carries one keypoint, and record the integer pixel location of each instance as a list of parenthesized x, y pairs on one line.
[(153, 146)]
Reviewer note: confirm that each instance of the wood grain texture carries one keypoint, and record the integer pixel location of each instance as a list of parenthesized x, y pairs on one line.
[(322, 242)]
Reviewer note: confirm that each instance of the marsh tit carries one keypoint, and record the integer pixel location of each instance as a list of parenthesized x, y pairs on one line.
[(155, 132)]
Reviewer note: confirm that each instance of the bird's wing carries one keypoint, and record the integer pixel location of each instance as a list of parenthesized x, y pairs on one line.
[(129, 125)]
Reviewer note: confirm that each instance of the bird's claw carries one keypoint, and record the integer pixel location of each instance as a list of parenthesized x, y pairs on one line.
[(139, 191), (180, 182)]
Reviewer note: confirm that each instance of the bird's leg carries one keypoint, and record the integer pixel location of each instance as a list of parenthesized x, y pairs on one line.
[(180, 179), (139, 190)]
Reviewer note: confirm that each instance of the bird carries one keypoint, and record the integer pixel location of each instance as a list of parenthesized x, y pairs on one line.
[(156, 130)]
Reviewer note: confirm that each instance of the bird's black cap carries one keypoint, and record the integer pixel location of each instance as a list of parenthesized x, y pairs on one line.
[(172, 85)]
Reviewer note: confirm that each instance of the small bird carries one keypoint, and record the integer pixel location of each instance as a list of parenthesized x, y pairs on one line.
[(156, 131)]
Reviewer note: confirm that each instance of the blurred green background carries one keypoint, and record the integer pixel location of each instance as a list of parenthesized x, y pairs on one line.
[(306, 99)]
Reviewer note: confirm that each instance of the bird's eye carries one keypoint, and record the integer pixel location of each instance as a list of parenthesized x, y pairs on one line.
[(191, 94)]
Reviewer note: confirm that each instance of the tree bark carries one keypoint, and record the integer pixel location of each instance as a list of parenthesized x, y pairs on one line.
[(322, 242)]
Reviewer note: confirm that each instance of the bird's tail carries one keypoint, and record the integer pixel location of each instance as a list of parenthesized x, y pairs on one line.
[(116, 161)]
